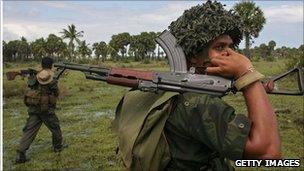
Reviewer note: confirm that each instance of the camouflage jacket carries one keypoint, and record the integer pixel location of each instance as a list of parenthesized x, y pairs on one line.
[(51, 88), (185, 131), (203, 133)]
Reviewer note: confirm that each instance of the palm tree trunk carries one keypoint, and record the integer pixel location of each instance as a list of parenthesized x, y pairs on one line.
[(247, 46)]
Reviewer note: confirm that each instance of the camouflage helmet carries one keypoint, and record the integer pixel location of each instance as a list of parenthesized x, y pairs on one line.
[(203, 23)]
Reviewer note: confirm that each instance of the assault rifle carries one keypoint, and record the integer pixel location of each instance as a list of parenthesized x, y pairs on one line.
[(178, 79), (152, 81), (11, 75)]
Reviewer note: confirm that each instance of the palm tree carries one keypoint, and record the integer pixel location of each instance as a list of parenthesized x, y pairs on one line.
[(10, 50), (38, 48), (271, 46), (73, 35), (84, 50), (142, 46), (120, 42), (23, 49), (101, 50), (54, 45), (5, 51), (253, 18)]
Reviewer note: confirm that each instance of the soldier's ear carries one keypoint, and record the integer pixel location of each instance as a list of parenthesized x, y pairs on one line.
[(197, 58), (193, 60)]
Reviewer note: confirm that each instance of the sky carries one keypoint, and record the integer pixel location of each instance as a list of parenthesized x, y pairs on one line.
[(101, 19)]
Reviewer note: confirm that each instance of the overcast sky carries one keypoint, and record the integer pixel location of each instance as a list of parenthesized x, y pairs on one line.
[(101, 19)]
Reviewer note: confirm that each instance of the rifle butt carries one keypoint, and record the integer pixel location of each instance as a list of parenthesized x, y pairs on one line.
[(11, 75)]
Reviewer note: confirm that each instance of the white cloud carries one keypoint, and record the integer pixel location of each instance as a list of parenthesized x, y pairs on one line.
[(56, 4), (70, 6), (100, 25), (166, 14), (284, 14), (29, 29)]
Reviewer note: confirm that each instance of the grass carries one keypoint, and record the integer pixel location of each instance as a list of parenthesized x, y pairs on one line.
[(86, 110)]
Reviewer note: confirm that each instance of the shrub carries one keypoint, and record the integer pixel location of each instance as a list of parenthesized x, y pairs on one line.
[(270, 58), (7, 65), (83, 61), (146, 61), (294, 61), (126, 60), (14, 88), (256, 58)]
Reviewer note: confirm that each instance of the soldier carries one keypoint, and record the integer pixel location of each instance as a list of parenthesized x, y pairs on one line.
[(41, 101), (171, 131)]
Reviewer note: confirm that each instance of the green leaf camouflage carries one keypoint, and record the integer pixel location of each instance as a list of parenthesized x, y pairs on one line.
[(203, 23)]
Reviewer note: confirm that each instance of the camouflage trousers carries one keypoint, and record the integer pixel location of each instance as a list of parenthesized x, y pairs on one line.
[(32, 126)]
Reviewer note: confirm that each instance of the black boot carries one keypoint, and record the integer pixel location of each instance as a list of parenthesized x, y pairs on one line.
[(59, 149), (21, 157)]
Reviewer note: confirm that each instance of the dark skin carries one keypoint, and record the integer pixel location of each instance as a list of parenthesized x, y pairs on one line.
[(263, 141)]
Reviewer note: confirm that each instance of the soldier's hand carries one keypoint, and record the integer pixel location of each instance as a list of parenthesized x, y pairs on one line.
[(229, 64), (268, 86)]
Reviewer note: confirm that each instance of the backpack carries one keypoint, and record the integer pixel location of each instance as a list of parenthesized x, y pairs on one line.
[(40, 97), (139, 122)]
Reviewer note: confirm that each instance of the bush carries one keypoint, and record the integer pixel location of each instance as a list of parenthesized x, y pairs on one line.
[(146, 61), (83, 61), (256, 58), (270, 58), (126, 60), (14, 88), (96, 62), (7, 65), (294, 61)]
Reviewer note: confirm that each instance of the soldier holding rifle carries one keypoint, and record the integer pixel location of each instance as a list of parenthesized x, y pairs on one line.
[(190, 131), (40, 99)]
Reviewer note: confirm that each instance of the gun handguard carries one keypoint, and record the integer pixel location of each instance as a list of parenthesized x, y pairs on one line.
[(128, 77)]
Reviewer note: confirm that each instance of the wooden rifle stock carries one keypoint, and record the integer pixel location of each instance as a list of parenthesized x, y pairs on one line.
[(11, 75), (128, 77)]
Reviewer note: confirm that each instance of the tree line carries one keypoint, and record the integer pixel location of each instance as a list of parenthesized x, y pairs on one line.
[(269, 53), (121, 46), (141, 47)]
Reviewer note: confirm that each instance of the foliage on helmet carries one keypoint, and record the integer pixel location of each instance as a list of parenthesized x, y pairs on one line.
[(203, 23)]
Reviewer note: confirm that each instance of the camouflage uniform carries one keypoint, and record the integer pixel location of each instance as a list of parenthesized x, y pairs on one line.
[(171, 131), (36, 117), (203, 132)]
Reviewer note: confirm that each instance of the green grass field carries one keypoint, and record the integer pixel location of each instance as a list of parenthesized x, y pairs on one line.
[(86, 109)]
